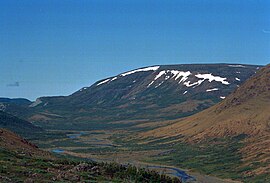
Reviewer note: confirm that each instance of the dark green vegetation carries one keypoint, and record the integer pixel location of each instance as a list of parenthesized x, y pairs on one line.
[(217, 157), (18, 101), (17, 125), (22, 161), (17, 168)]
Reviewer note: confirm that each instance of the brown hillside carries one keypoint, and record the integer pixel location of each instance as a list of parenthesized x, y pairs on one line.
[(12, 142), (245, 111)]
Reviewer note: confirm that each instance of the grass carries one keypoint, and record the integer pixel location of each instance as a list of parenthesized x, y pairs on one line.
[(218, 157), (17, 168)]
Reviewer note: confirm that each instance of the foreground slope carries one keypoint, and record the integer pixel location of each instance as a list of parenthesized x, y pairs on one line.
[(21, 161), (12, 142), (156, 92), (244, 115)]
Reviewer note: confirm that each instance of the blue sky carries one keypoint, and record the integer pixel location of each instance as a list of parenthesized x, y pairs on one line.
[(50, 47)]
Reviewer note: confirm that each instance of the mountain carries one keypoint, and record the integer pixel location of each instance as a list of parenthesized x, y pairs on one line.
[(16, 106), (18, 101), (150, 93), (17, 125), (242, 115)]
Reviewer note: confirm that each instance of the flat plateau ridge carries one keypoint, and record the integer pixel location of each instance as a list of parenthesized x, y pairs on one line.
[(150, 93)]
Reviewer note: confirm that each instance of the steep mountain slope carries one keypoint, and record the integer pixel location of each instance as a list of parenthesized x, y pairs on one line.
[(17, 125), (244, 114), (151, 93)]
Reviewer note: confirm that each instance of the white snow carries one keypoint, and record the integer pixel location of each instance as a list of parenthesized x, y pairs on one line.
[(167, 77), (159, 84), (154, 68), (211, 78), (236, 66), (222, 97), (159, 74), (213, 89), (150, 83), (188, 84), (184, 92), (84, 88), (237, 79), (102, 82), (113, 78), (178, 74)]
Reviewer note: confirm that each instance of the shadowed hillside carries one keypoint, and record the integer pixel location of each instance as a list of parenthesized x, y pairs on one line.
[(17, 125)]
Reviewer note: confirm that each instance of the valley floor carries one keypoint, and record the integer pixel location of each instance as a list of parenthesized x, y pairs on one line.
[(117, 146)]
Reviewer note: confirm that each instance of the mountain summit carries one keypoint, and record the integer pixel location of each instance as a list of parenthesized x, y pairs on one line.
[(150, 93)]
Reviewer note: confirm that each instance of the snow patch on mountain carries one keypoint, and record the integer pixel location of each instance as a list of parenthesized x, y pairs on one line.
[(167, 77), (154, 68), (172, 74), (150, 83), (197, 83), (159, 74), (213, 89), (211, 78), (102, 82), (84, 88), (178, 74), (159, 84), (236, 66), (113, 78)]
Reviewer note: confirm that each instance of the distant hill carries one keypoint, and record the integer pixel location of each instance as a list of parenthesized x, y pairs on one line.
[(150, 93), (245, 114), (17, 125), (16, 106), (18, 101)]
